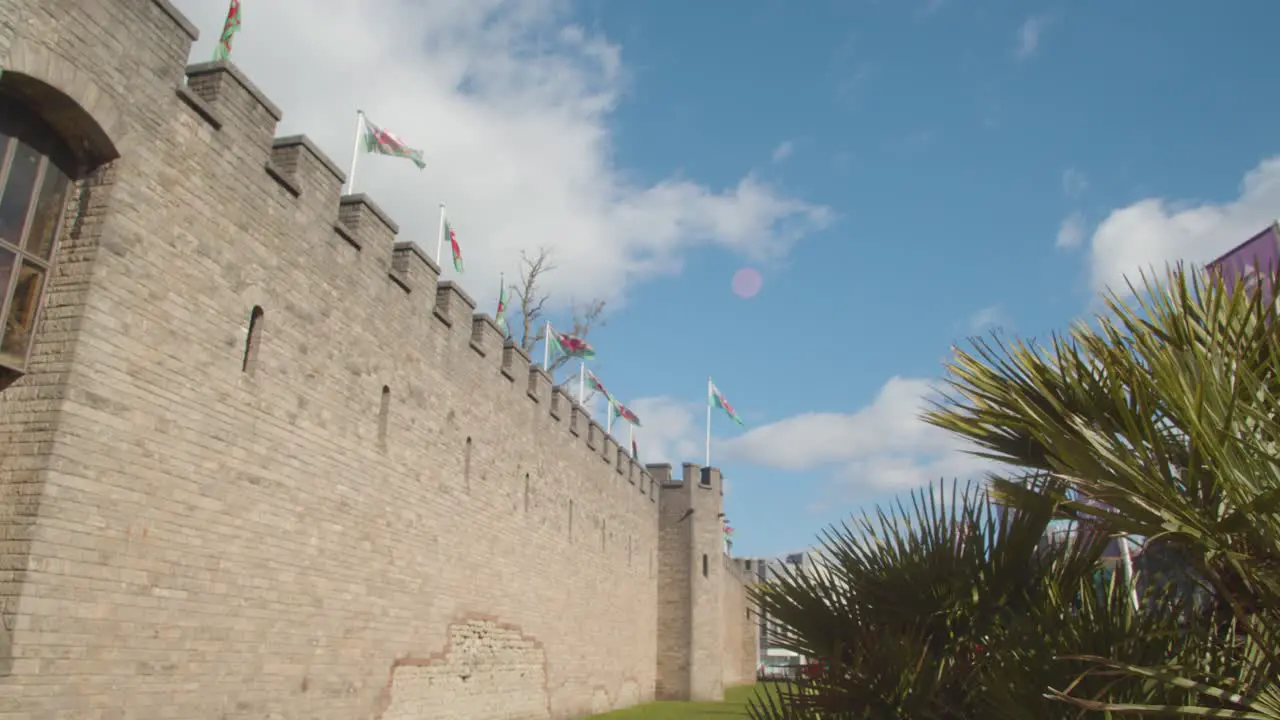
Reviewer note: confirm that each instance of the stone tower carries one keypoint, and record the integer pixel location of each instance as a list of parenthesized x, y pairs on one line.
[(690, 578)]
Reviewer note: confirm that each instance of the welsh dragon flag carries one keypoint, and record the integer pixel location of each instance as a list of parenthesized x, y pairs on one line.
[(574, 347), (229, 29), (383, 142), (453, 245), (625, 413), (598, 386), (500, 317), (719, 401), (619, 410)]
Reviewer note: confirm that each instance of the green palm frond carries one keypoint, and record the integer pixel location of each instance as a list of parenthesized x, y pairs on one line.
[(1164, 418), (949, 606)]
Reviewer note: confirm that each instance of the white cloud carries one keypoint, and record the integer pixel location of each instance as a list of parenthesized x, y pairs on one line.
[(672, 431), (1152, 232), (848, 88), (512, 104), (1027, 39), (883, 446), (987, 318), (1074, 183), (1072, 231), (783, 151)]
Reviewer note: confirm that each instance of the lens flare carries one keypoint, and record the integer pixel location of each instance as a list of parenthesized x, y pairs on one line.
[(747, 282)]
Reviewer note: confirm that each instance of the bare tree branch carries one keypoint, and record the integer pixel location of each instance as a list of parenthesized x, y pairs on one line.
[(529, 295), (532, 300)]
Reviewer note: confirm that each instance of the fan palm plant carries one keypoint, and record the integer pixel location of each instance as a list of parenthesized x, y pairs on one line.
[(951, 607), (1160, 420)]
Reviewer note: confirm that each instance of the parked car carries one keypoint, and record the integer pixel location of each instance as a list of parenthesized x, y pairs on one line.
[(779, 664)]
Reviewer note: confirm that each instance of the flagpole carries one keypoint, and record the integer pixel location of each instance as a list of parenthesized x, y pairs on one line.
[(632, 439), (708, 421), (582, 384), (608, 424), (440, 240), (546, 349), (355, 151)]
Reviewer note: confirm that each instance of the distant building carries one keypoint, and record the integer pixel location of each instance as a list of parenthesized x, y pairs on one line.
[(769, 569)]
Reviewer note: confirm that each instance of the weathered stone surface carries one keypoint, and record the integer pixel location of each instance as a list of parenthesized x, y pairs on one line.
[(190, 535)]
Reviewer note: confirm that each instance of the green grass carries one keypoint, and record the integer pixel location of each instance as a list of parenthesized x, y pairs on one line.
[(734, 706)]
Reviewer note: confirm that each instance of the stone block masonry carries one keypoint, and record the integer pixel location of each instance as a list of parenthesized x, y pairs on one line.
[(261, 463)]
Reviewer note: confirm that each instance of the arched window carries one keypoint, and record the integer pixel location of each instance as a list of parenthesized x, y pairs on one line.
[(35, 182), (252, 339), (384, 412), (466, 464)]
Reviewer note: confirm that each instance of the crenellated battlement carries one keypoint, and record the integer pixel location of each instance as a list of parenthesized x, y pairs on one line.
[(257, 428), (223, 96)]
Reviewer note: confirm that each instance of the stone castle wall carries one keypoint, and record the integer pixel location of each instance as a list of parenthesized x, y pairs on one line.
[(264, 464), (741, 624)]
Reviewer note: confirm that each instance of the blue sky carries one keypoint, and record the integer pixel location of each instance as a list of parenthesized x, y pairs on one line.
[(901, 174), (951, 146)]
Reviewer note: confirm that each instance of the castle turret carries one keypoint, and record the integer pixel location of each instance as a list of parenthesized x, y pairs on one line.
[(690, 584)]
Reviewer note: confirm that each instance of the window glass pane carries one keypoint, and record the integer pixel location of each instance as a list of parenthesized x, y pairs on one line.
[(19, 326), (17, 192), (49, 208)]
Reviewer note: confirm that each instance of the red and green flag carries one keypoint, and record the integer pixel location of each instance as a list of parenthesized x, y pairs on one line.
[(625, 413), (453, 245), (619, 410), (598, 386), (229, 29), (574, 347), (719, 401), (500, 317), (383, 142)]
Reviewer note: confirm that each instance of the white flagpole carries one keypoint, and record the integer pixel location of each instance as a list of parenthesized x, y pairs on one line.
[(608, 424), (355, 152), (440, 240), (546, 349), (708, 421), (631, 438), (582, 384)]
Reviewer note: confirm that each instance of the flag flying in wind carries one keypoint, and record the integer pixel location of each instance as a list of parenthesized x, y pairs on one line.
[(500, 317), (619, 410), (383, 142), (598, 386), (625, 413), (229, 29), (719, 401), (453, 245), (574, 347)]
